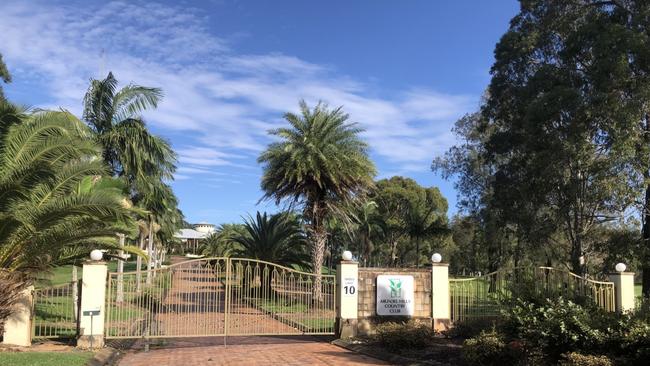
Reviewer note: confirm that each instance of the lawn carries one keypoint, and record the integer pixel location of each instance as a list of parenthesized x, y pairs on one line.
[(44, 358), (63, 274)]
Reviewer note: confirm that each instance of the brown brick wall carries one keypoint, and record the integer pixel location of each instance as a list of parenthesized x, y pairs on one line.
[(368, 287)]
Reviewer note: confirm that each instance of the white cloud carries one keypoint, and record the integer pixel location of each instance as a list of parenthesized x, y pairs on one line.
[(222, 103)]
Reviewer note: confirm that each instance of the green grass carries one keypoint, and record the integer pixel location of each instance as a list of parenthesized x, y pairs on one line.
[(63, 274), (637, 290), (44, 358), (318, 324)]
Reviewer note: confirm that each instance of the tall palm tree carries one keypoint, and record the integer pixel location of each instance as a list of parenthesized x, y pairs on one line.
[(319, 163), (46, 201), (128, 147), (424, 222), (143, 160), (277, 238), (4, 76), (367, 226)]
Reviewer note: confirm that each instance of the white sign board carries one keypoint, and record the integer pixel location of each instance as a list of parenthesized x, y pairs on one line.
[(395, 295), (349, 286)]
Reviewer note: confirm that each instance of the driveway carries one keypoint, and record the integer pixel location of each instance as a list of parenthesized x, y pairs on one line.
[(294, 350)]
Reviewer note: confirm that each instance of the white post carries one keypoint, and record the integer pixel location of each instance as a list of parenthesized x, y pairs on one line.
[(347, 283), (440, 300), (18, 326), (624, 290), (93, 301)]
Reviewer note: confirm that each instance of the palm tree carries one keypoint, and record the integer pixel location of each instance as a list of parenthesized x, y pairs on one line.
[(143, 160), (222, 242), (47, 202), (319, 163), (128, 147), (4, 76), (367, 225), (423, 222), (277, 238)]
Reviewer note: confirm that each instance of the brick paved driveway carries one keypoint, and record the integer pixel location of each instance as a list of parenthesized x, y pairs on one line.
[(253, 351)]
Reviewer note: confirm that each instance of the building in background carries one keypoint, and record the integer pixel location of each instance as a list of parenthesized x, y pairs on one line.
[(191, 238)]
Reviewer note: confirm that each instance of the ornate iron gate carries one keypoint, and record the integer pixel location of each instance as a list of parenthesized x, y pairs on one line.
[(218, 297)]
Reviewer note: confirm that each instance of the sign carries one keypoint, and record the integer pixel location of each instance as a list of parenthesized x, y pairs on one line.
[(350, 286), (90, 312), (395, 295)]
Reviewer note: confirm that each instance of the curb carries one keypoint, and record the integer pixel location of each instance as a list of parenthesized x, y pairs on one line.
[(384, 355), (105, 356)]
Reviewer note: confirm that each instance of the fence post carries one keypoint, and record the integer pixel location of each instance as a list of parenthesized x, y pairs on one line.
[(93, 300), (440, 300), (623, 290), (18, 326), (347, 296)]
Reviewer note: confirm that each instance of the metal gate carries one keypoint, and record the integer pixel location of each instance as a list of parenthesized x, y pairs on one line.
[(218, 297), (481, 297)]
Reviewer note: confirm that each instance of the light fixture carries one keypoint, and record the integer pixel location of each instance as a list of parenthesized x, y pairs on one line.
[(620, 267), (96, 255), (347, 255), (436, 258)]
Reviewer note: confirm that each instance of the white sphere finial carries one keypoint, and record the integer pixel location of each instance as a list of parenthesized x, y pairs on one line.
[(347, 255), (96, 255), (436, 258), (620, 267)]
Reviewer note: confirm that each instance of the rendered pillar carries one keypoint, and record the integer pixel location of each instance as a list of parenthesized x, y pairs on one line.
[(93, 300), (347, 298), (440, 300), (18, 326), (623, 290)]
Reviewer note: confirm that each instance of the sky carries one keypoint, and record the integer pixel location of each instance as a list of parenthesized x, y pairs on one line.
[(404, 70)]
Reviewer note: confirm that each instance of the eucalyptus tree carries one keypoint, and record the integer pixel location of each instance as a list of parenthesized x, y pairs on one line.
[(319, 163), (50, 198), (276, 238), (563, 102)]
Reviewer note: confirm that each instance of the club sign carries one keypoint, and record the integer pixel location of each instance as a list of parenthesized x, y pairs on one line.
[(395, 295)]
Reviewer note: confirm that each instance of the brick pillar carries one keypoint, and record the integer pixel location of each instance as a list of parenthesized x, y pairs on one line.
[(18, 326), (440, 300), (624, 290), (347, 298), (93, 302)]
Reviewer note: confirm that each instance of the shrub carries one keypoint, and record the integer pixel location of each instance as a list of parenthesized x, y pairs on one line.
[(577, 359), (403, 336), (556, 327), (471, 328), (489, 348)]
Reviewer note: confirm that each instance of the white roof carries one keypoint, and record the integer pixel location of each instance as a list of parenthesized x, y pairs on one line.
[(190, 234)]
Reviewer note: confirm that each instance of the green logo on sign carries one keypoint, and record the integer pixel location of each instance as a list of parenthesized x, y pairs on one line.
[(395, 288)]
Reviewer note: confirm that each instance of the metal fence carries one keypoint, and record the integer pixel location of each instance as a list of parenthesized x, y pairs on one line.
[(481, 297), (216, 297), (56, 311)]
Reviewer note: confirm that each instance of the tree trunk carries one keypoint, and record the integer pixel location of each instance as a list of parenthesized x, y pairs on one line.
[(317, 254), (138, 270), (119, 292), (150, 251), (417, 253), (75, 292), (645, 267)]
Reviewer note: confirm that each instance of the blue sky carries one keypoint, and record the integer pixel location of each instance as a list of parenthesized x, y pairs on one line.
[(405, 70)]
